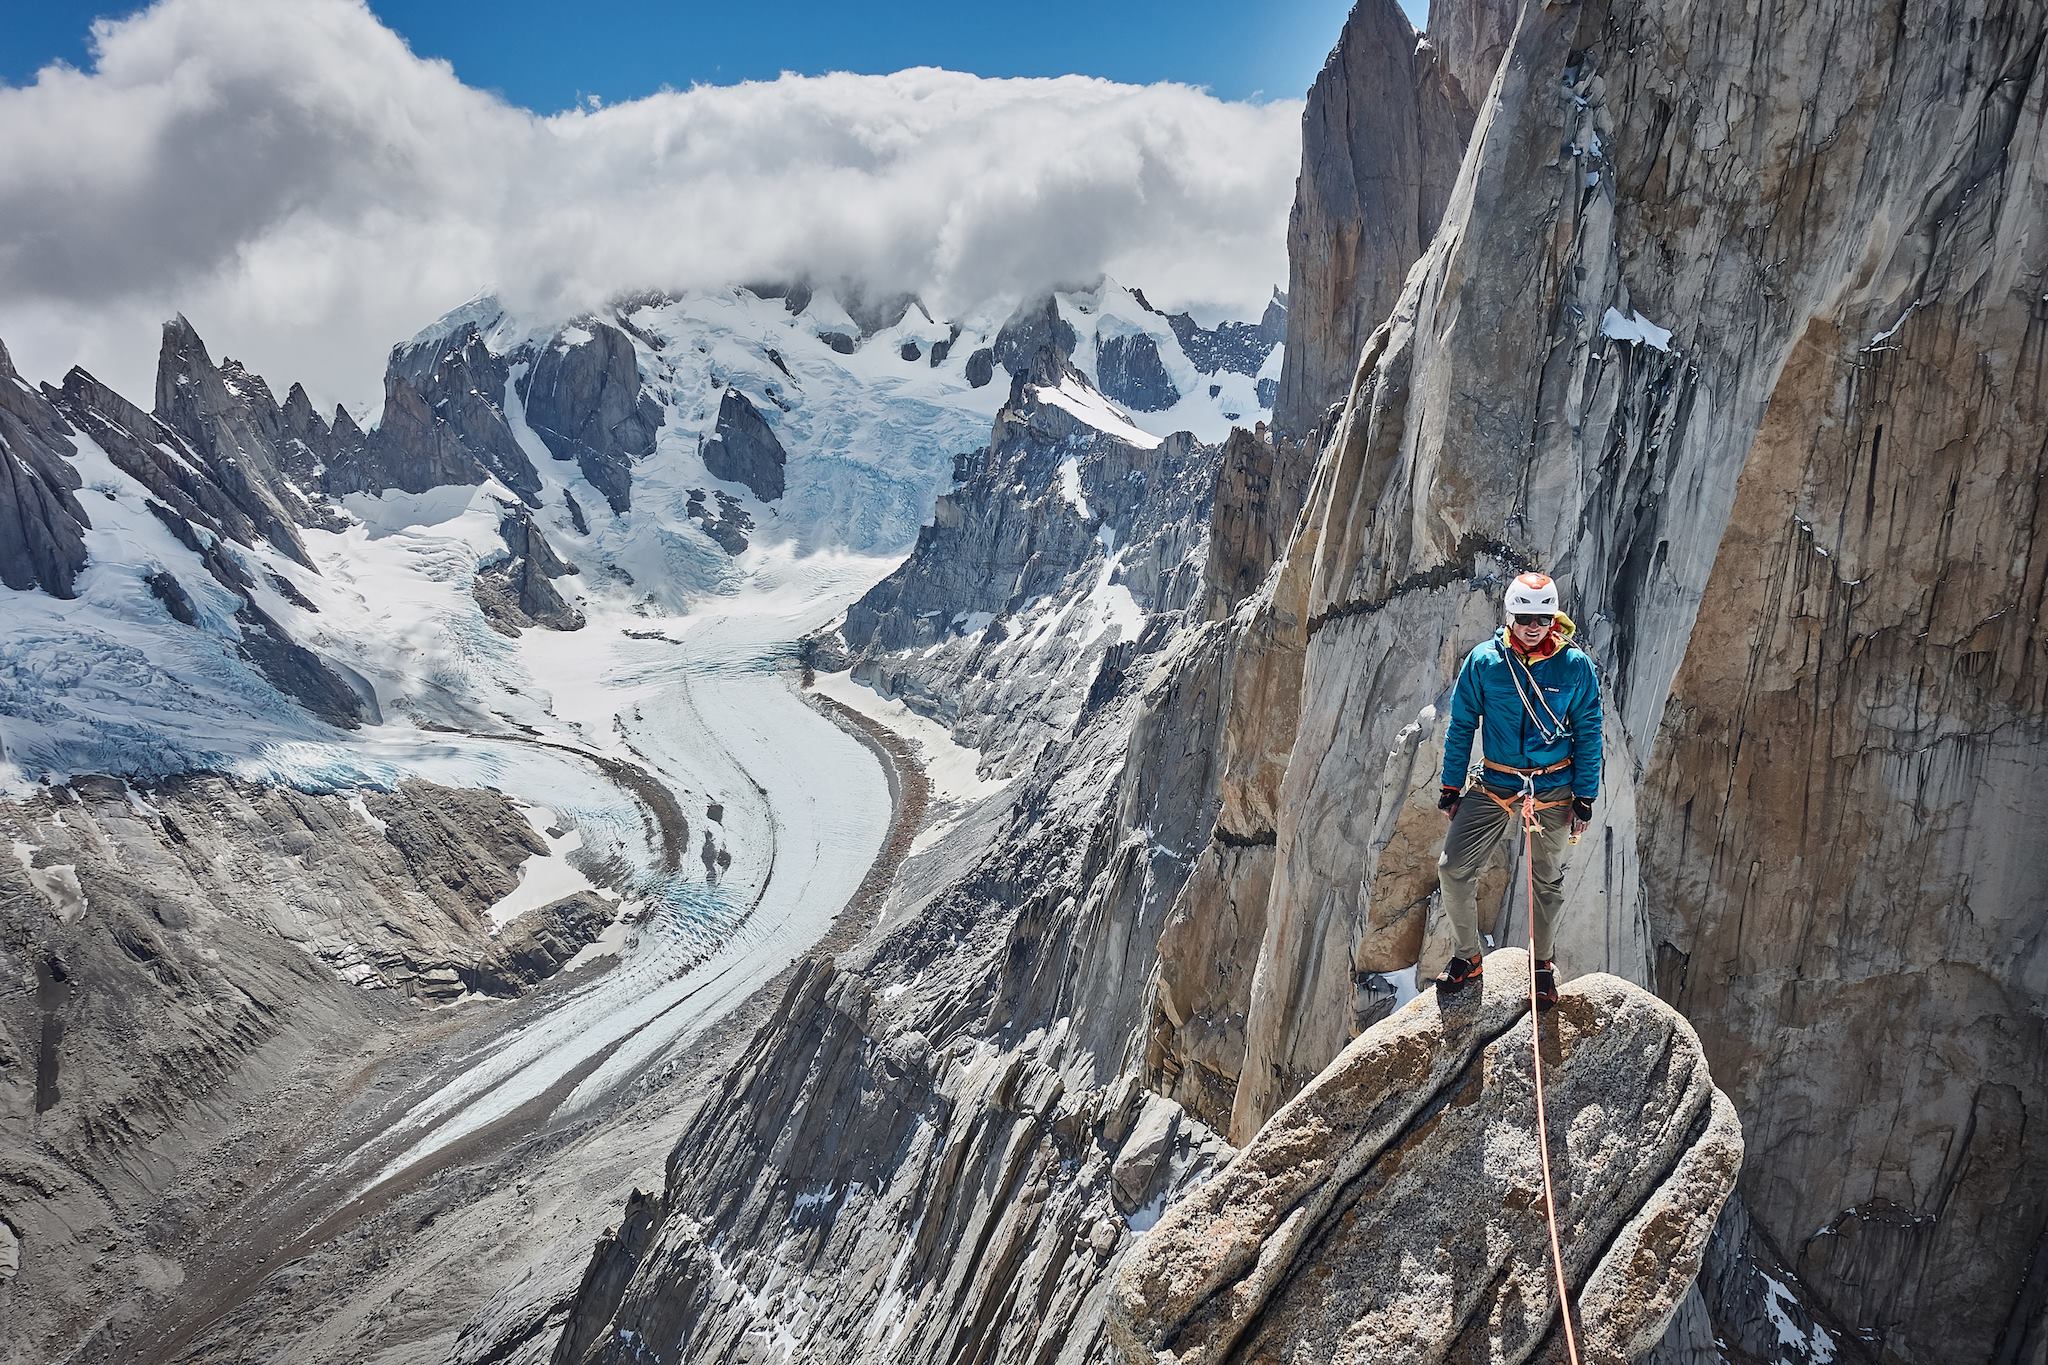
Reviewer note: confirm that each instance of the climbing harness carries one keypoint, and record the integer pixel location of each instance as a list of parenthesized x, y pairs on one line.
[(1530, 808), (1519, 773)]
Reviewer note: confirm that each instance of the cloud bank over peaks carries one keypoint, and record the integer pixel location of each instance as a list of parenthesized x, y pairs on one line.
[(308, 191)]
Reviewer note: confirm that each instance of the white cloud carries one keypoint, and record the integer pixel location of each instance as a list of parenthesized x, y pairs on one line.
[(308, 191)]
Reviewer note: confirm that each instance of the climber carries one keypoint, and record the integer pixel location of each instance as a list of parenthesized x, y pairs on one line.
[(1535, 700)]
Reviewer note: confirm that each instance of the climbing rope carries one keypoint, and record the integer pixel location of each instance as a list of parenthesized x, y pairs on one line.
[(1518, 670), (1530, 807)]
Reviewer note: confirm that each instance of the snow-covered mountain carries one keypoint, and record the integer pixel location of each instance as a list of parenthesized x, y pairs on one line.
[(292, 563), (504, 680)]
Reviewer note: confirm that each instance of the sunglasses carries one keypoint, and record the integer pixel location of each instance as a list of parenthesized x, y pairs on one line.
[(1521, 620)]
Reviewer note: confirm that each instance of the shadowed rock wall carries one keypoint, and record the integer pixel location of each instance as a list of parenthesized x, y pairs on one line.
[(1380, 141), (1801, 534)]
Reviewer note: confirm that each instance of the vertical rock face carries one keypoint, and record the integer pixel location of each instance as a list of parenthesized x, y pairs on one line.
[(1257, 495), (1471, 36), (744, 450), (42, 526), (228, 418), (583, 399), (1032, 587), (1381, 138), (444, 423), (1740, 343), (1035, 326), (1129, 371), (1846, 799), (516, 592), (1358, 1227)]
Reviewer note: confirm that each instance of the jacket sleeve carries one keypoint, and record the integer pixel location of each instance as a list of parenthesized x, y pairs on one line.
[(1586, 733), (1464, 720)]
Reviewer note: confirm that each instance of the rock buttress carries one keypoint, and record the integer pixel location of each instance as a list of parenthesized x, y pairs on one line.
[(1392, 1212), (1804, 535)]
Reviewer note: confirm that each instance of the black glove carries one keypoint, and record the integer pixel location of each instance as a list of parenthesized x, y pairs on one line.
[(1582, 809), (1447, 800)]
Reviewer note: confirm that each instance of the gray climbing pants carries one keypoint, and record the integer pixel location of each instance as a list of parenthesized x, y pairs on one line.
[(1475, 830)]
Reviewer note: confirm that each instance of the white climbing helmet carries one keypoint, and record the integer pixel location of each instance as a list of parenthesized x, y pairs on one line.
[(1532, 594)]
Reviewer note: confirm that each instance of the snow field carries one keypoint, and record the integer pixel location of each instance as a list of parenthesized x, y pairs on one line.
[(545, 878)]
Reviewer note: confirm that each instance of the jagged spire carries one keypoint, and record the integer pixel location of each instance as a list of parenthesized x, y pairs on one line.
[(299, 414), (182, 356)]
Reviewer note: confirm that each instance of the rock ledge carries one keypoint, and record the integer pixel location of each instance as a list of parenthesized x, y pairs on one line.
[(1392, 1212)]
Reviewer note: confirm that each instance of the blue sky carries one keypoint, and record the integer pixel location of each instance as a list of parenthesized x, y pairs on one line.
[(546, 56)]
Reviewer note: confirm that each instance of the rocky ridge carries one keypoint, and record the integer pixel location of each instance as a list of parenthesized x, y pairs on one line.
[(43, 545), (1033, 590), (227, 416), (1355, 1227), (197, 943)]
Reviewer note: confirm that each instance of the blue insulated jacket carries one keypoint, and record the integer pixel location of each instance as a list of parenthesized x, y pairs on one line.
[(1565, 723)]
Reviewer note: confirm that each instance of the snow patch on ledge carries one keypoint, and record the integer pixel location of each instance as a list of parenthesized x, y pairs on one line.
[(1070, 487), (1816, 1347), (544, 879), (1095, 410), (1403, 983), (1634, 327), (361, 807)]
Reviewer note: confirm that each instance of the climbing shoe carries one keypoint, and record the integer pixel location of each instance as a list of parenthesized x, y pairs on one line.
[(1546, 983), (1456, 973)]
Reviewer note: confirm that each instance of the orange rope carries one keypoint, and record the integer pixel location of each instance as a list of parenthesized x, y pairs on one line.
[(1530, 805)]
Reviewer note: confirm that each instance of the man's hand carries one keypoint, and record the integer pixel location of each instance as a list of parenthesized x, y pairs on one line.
[(1582, 814), (1447, 801)]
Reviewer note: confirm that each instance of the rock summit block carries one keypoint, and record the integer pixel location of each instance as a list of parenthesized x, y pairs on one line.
[(1393, 1211)]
